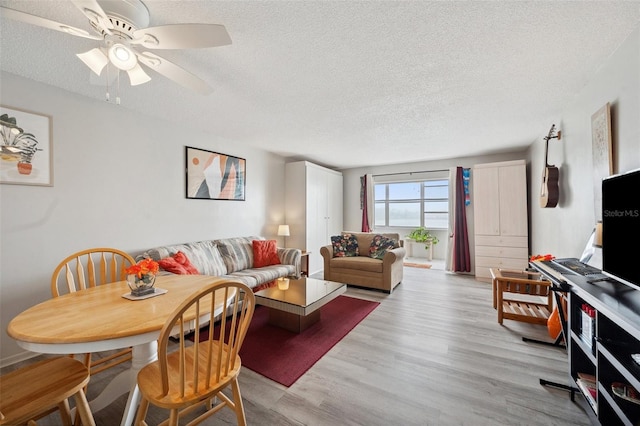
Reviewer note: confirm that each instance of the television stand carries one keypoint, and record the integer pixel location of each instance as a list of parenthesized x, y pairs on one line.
[(601, 362)]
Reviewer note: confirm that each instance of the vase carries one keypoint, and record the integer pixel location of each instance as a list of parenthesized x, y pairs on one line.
[(141, 286)]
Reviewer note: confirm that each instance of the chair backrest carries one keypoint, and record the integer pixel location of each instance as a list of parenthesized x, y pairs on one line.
[(204, 365), (89, 268)]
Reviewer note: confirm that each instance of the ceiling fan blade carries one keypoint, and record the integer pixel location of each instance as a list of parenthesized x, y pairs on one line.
[(107, 76), (94, 12), (174, 72), (182, 36), (17, 15), (137, 75), (94, 59)]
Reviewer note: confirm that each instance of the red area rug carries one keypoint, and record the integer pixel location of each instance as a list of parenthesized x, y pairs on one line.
[(283, 356)]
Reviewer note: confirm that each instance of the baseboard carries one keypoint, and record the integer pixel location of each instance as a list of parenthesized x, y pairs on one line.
[(13, 359)]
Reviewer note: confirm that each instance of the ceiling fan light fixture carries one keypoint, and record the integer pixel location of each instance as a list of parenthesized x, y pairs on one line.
[(122, 57), (138, 76), (94, 59), (122, 25)]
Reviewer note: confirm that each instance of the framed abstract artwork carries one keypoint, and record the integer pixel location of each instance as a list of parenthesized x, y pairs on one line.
[(602, 153), (214, 176), (26, 148)]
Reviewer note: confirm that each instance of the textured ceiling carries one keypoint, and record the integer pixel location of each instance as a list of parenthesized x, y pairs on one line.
[(349, 84)]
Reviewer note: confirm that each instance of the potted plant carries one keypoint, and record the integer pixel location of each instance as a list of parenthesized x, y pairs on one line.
[(422, 235)]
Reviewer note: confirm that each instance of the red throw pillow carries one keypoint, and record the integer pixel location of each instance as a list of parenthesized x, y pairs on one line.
[(171, 265), (265, 253), (178, 264), (182, 259)]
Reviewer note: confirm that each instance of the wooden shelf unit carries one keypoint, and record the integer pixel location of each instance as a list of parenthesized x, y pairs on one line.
[(608, 355)]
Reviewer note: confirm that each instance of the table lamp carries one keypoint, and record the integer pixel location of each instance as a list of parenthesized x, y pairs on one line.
[(283, 283), (283, 231)]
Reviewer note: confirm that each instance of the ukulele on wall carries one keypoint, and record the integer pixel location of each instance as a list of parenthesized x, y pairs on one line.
[(549, 193)]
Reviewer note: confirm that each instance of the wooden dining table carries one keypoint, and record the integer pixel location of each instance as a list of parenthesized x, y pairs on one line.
[(101, 319)]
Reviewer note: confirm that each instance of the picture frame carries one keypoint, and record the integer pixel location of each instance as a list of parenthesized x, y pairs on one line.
[(26, 147), (212, 175), (602, 152)]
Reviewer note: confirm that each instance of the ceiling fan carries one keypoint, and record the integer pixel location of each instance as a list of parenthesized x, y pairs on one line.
[(122, 28)]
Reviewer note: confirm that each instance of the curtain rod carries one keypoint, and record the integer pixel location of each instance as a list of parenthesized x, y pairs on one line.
[(410, 173)]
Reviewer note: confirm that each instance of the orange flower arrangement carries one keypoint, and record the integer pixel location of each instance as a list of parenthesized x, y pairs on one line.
[(143, 269), (544, 257)]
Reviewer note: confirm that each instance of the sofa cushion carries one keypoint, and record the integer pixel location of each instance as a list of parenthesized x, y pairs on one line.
[(379, 246), (359, 263), (265, 253), (255, 276), (237, 252), (345, 245), (178, 264), (204, 255), (291, 256), (365, 239)]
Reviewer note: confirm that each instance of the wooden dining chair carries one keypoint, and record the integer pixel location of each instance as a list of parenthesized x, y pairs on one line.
[(28, 393), (90, 268), (196, 373)]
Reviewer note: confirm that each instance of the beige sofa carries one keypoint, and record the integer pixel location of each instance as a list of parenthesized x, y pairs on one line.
[(362, 270)]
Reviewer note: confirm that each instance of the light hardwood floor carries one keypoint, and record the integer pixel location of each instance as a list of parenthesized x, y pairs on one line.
[(432, 353)]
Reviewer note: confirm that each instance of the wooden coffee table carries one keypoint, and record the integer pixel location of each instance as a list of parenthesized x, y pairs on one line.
[(298, 307)]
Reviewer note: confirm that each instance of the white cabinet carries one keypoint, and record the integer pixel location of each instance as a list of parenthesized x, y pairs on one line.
[(500, 216), (313, 208)]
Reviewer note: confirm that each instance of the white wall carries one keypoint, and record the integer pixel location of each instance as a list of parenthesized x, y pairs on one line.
[(118, 181), (353, 214), (564, 230)]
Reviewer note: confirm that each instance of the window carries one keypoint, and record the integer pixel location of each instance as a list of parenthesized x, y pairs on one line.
[(413, 204)]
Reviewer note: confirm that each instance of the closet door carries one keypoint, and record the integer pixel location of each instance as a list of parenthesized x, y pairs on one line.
[(513, 201), (313, 200), (334, 205), (317, 216), (486, 198)]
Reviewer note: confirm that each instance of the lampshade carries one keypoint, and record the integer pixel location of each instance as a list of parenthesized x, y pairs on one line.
[(597, 242), (283, 230), (283, 283)]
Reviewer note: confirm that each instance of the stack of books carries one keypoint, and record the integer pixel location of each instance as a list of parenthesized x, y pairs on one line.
[(588, 386)]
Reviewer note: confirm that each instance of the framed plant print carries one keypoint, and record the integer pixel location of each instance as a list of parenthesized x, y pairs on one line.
[(26, 148), (214, 176)]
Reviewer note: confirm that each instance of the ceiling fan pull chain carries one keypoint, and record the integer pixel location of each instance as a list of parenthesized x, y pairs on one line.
[(118, 88), (107, 75)]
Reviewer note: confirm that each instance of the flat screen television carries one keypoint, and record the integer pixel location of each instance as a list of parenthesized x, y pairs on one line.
[(621, 227)]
